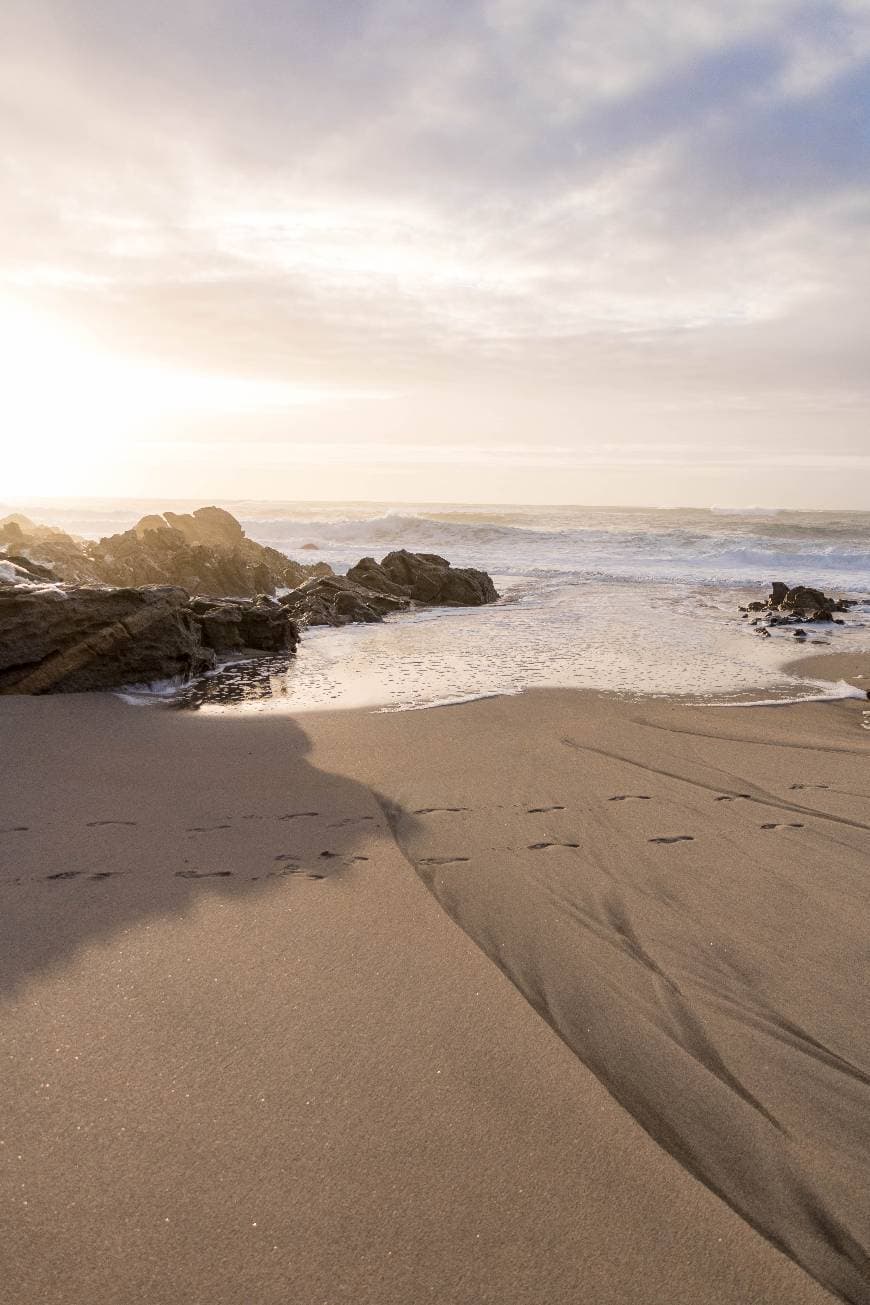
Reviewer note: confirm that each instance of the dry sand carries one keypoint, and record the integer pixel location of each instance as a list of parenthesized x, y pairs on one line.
[(248, 1059)]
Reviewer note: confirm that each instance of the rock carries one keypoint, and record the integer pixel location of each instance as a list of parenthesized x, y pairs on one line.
[(20, 570), (755, 607), (777, 593), (205, 552), (338, 600), (310, 547), (63, 639), (47, 547), (262, 626), (425, 578), (66, 640)]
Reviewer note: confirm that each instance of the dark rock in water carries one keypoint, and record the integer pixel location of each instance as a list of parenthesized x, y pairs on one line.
[(310, 547), (263, 626), (64, 639), (425, 578), (338, 600), (756, 607), (205, 552), (803, 598), (74, 639)]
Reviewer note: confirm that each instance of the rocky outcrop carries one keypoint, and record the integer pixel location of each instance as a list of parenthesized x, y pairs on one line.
[(804, 600), (73, 638), (65, 640), (790, 605), (372, 590), (337, 600), (205, 552), (232, 629), (61, 554), (424, 578)]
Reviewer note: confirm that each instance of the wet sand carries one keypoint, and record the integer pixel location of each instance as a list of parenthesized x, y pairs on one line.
[(548, 998)]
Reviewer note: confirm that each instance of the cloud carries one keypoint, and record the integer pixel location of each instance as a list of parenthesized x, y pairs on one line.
[(521, 215)]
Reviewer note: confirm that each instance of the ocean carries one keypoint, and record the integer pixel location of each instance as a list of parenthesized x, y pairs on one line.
[(635, 601)]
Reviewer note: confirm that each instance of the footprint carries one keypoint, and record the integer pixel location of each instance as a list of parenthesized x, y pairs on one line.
[(203, 874), (537, 811), (65, 874), (731, 797), (297, 815), (795, 787), (772, 824), (15, 829), (331, 855), (431, 811), (676, 838), (94, 824), (205, 829), (103, 874), (537, 847), (349, 820), (626, 797), (287, 856), (443, 860)]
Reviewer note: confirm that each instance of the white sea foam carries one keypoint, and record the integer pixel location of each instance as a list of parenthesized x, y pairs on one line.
[(636, 601), (840, 691)]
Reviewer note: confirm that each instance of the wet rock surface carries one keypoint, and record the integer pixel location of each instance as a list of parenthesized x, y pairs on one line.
[(338, 600), (75, 638), (425, 578), (796, 605)]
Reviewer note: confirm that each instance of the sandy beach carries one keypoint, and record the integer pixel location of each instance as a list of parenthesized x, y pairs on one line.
[(545, 998)]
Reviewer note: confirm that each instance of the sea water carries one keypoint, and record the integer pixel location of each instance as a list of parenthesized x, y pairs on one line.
[(629, 600)]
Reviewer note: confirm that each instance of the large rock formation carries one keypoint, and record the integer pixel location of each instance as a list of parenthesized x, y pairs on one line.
[(55, 639), (336, 600), (424, 578), (72, 638), (205, 552)]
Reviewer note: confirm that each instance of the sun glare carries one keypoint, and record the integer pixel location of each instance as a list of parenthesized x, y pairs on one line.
[(74, 416)]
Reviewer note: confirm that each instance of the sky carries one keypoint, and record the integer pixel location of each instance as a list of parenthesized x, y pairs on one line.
[(556, 251)]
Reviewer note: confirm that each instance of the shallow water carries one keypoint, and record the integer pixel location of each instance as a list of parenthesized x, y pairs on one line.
[(633, 601)]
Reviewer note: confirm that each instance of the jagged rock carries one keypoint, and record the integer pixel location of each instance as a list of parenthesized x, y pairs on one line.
[(207, 525), (205, 552), (803, 598), (425, 578), (263, 626), (65, 640), (338, 600)]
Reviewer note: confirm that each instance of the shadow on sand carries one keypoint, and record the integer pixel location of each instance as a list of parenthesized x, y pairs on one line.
[(111, 815)]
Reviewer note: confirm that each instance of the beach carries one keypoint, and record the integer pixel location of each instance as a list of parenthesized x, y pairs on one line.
[(548, 997)]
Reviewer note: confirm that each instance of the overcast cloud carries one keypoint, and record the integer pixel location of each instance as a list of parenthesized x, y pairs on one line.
[(636, 233)]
